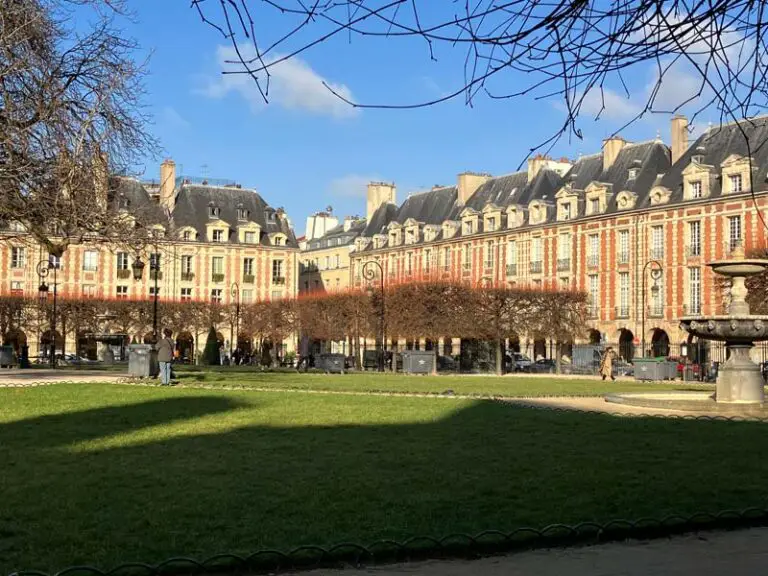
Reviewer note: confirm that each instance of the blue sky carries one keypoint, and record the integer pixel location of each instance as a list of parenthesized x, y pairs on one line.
[(306, 149)]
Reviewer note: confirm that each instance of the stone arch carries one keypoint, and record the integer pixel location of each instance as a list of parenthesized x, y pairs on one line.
[(86, 346), (539, 349), (46, 340), (447, 346), (594, 336), (659, 343), (16, 338), (626, 344), (185, 344), (514, 344)]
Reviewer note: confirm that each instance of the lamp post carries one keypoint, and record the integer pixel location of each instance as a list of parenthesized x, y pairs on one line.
[(138, 272), (44, 268), (234, 291), (656, 272), (369, 273)]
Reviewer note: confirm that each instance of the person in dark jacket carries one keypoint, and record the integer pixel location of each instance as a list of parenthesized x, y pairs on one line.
[(165, 356)]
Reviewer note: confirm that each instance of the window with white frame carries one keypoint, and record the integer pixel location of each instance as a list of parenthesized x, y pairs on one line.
[(694, 238), (594, 294), (447, 258), (734, 183), (121, 292), (248, 266), (694, 291), (122, 261), (90, 261), (623, 294), (536, 250), (408, 263), (217, 235), (186, 294), (734, 232), (657, 297), (512, 258), (564, 247), (695, 189), (277, 269), (336, 261), (467, 256), (89, 290), (277, 294), (657, 242), (565, 211), (468, 227), (186, 235), (18, 257), (427, 260), (327, 263), (623, 247), (593, 250), (17, 287), (489, 254), (186, 264), (490, 224), (217, 265), (152, 290), (54, 261), (216, 295), (594, 205), (249, 237), (247, 295)]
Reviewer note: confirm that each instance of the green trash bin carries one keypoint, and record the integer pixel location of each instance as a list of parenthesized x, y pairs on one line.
[(650, 369)]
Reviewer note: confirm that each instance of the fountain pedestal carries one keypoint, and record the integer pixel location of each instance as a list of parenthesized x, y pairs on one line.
[(739, 379)]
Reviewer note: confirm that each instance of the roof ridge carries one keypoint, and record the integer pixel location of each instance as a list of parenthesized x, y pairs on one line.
[(734, 122), (230, 188), (643, 142), (433, 189)]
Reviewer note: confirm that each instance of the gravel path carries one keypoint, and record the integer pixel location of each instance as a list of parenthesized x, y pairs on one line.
[(739, 553)]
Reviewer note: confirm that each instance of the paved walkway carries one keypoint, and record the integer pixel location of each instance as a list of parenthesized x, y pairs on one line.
[(738, 553), (43, 376)]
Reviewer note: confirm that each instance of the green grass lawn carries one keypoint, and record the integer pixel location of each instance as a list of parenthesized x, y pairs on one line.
[(515, 385), (101, 474)]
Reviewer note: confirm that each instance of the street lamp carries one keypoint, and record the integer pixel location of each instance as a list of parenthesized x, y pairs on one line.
[(138, 272), (656, 272), (369, 273), (235, 293), (44, 268)]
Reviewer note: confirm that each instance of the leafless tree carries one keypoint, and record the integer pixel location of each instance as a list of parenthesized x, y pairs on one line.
[(70, 117)]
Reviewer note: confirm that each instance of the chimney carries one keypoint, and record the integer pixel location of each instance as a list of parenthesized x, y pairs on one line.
[(468, 183), (611, 148), (101, 178), (379, 193), (348, 221), (167, 183), (679, 136)]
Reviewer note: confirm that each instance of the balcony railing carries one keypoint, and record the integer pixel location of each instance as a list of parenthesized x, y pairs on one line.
[(488, 264), (306, 268), (563, 264), (690, 309), (622, 311), (693, 250), (657, 253), (187, 276), (278, 280), (249, 278), (656, 311), (217, 277), (536, 267), (623, 257), (593, 261), (511, 269), (123, 274)]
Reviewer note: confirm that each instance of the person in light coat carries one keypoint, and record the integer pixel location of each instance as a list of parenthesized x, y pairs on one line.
[(606, 364)]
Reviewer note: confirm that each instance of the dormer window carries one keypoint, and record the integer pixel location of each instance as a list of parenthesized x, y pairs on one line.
[(217, 235), (633, 172), (468, 228), (695, 189), (249, 237), (734, 183), (186, 236), (278, 241), (409, 237), (213, 210), (566, 211), (490, 224), (242, 213), (594, 205), (393, 239)]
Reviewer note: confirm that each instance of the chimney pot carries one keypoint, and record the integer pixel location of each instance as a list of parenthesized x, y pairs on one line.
[(679, 128)]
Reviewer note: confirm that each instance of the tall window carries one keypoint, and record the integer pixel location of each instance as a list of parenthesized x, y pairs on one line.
[(90, 261), (218, 235), (467, 256), (735, 183), (566, 210), (623, 294), (249, 237), (186, 294), (186, 264), (248, 266), (623, 248), (594, 205), (564, 251), (594, 294), (186, 235), (447, 258), (154, 260), (468, 228), (657, 242), (694, 287), (593, 250), (277, 269), (696, 189), (247, 295), (512, 258), (121, 292), (336, 261), (122, 261), (54, 261), (408, 263), (427, 260), (536, 255), (327, 263), (89, 290), (657, 298), (489, 255), (694, 238), (18, 257), (216, 295), (491, 225), (217, 265), (734, 232)]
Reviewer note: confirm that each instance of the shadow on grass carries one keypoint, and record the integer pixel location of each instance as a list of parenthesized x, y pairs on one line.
[(484, 466)]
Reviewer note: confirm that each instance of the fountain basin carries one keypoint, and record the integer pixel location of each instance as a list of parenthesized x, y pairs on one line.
[(703, 402), (735, 268), (740, 330)]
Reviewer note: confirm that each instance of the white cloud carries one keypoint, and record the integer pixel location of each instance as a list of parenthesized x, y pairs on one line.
[(608, 104), (350, 186), (293, 85), (170, 118), (679, 86)]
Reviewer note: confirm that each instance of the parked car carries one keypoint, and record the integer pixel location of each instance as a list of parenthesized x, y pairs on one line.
[(519, 363), (544, 366), (74, 360), (446, 364)]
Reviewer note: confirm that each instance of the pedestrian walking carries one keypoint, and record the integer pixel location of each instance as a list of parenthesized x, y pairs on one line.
[(165, 357), (606, 364)]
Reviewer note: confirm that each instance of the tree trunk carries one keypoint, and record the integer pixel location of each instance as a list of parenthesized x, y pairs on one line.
[(499, 363), (434, 358), (557, 359)]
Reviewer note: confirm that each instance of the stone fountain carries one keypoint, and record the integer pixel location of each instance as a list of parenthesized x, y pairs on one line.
[(740, 386)]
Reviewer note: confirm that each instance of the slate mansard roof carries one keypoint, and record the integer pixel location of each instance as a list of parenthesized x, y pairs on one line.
[(649, 159), (337, 236)]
